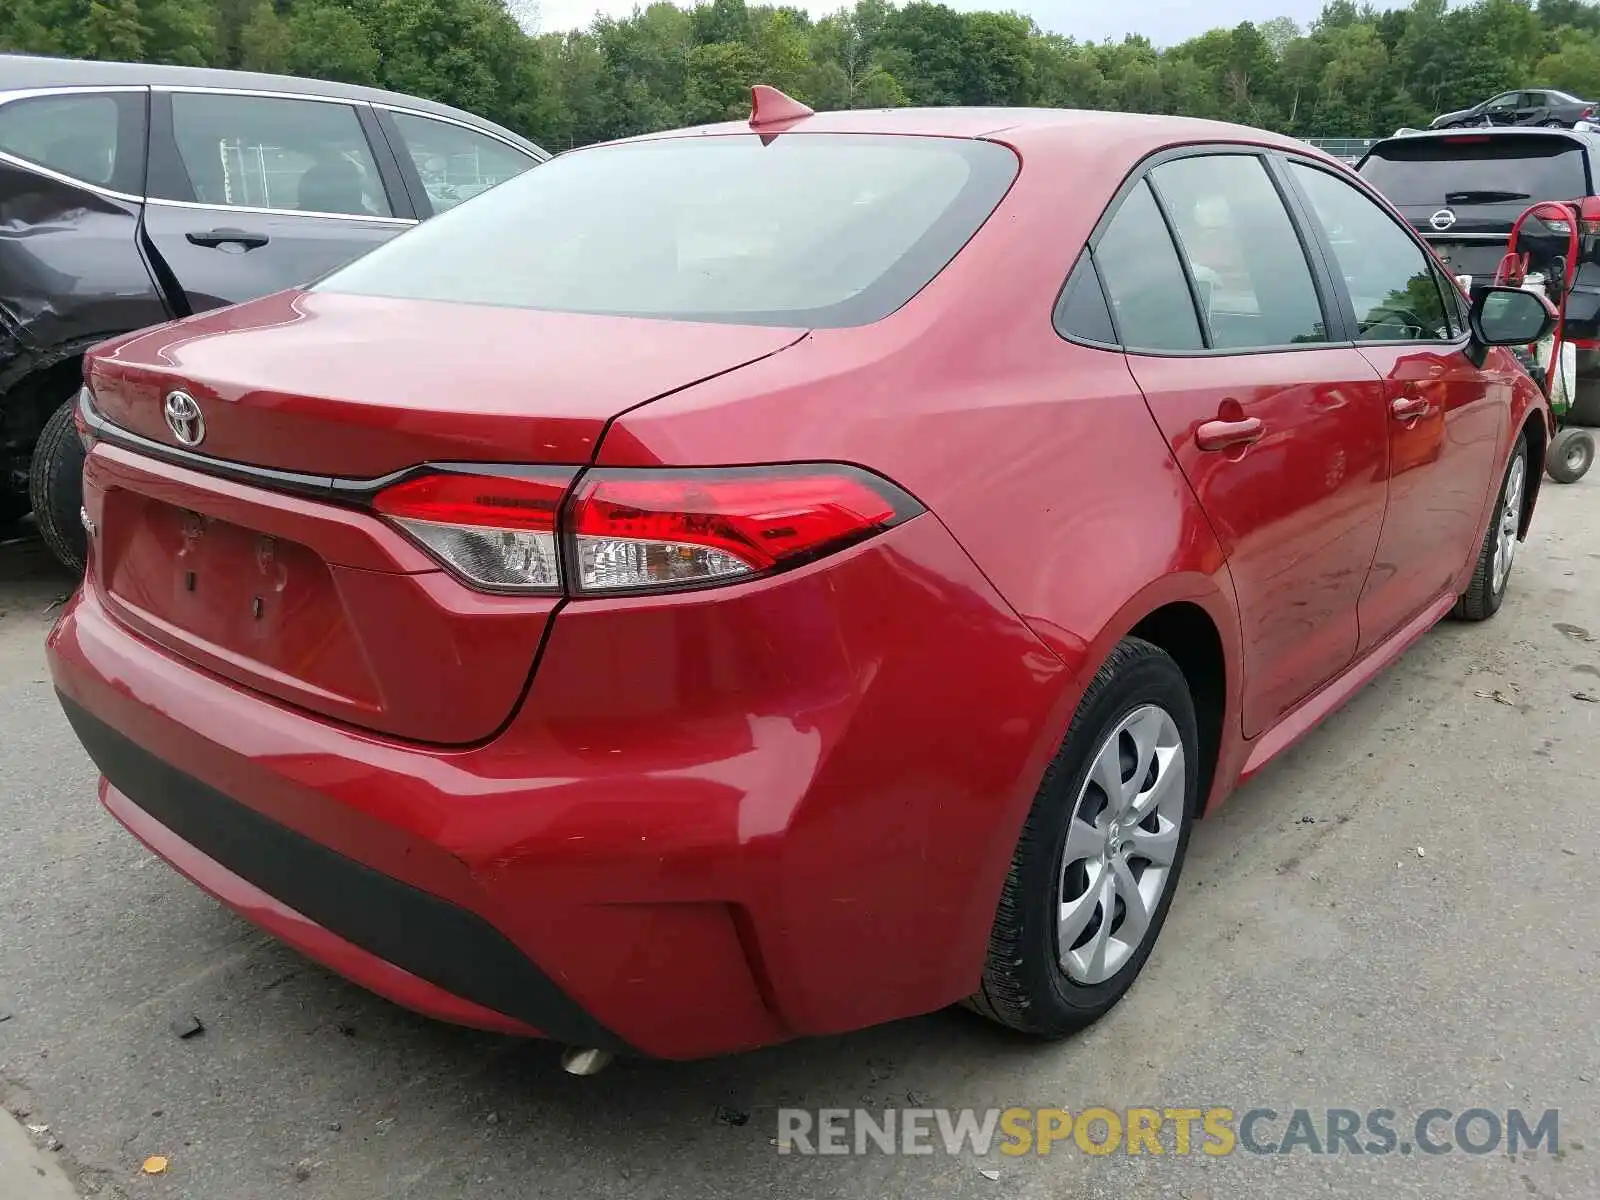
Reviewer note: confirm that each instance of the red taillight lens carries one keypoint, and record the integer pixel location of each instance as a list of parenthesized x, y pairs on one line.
[(663, 529), (495, 530), (1589, 215)]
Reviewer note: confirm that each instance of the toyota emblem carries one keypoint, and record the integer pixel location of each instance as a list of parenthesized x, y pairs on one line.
[(184, 418), (1442, 219)]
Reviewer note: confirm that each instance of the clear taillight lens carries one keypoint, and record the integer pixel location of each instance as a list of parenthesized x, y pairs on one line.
[(496, 531), (634, 529)]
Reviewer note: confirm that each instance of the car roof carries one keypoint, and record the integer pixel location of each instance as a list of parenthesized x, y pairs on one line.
[(1137, 133), (23, 72)]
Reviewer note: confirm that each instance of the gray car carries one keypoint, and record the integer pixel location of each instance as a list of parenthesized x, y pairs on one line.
[(1539, 106), (134, 194)]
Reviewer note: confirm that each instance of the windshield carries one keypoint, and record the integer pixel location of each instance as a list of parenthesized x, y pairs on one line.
[(798, 229), (1478, 169)]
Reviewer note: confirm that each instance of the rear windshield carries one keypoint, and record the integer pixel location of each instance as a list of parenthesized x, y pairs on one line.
[(799, 229), (1477, 169)]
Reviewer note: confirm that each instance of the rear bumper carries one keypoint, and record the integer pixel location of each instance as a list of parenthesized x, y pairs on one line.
[(718, 820)]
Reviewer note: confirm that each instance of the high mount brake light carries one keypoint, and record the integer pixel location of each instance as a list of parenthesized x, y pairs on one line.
[(496, 531), (627, 530)]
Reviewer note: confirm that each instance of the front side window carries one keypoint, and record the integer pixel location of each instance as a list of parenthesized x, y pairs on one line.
[(813, 230), (1144, 279), (1503, 103), (1389, 277), (74, 135), (266, 152), (456, 163), (1253, 282)]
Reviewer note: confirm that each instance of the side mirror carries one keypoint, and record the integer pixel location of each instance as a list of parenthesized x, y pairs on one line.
[(1509, 316)]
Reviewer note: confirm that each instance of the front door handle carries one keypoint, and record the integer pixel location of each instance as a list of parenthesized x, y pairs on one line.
[(217, 237), (1408, 408), (1224, 435)]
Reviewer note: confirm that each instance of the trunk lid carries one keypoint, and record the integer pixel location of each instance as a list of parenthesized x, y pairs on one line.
[(357, 387), (322, 604)]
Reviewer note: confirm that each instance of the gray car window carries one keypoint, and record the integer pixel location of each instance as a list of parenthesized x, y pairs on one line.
[(455, 163), (1390, 278), (267, 152), (75, 135), (1254, 283), (1144, 279)]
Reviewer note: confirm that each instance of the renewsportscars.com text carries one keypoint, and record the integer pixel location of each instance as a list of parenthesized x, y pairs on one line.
[(1167, 1131)]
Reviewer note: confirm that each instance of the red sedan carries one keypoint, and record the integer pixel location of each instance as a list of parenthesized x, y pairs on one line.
[(765, 580)]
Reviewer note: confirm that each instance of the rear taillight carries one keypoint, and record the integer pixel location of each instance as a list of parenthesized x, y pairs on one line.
[(654, 529), (496, 531), (627, 530), (1589, 215)]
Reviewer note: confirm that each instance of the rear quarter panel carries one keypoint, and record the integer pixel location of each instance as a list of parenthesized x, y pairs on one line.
[(1038, 455)]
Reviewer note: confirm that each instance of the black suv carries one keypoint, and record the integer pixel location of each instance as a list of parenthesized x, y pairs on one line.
[(133, 194), (1463, 191)]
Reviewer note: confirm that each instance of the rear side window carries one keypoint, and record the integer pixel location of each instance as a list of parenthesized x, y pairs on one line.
[(455, 163), (1144, 279), (1392, 283), (1082, 313), (1250, 272), (1478, 169), (814, 230), (265, 152), (73, 135)]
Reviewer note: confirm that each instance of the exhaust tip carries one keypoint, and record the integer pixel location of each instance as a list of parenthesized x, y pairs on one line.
[(577, 1061)]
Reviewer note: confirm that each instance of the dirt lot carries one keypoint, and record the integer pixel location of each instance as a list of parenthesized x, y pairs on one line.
[(1401, 914)]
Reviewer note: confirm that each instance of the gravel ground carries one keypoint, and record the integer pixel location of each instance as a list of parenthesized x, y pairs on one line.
[(1399, 914)]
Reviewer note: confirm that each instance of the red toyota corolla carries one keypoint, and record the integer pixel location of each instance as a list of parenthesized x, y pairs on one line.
[(765, 580)]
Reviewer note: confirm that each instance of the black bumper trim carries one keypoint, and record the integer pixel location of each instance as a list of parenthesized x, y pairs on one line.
[(435, 940)]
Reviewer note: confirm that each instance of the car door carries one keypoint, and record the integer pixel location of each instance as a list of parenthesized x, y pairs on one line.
[(1502, 110), (446, 162), (1445, 416), (252, 193), (1278, 428), (71, 165)]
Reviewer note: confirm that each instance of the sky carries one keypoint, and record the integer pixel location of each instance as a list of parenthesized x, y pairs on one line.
[(1164, 22)]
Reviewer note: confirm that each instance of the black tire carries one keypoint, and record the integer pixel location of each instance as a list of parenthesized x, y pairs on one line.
[(55, 484), (1570, 456), (1482, 598), (1024, 984)]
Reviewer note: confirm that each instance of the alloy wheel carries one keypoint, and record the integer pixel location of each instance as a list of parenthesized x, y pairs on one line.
[(1121, 845), (1505, 546)]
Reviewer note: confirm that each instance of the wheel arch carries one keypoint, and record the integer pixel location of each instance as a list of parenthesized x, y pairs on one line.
[(1194, 618), (1536, 431)]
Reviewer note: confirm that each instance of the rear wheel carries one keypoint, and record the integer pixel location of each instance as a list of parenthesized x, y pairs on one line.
[(55, 484), (1570, 456), (1098, 860), (1498, 550)]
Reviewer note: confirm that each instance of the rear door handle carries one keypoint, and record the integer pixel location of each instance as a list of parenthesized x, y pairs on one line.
[(1224, 435), (1408, 408), (217, 237)]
